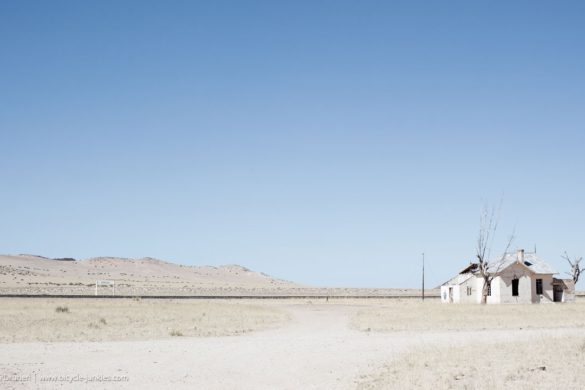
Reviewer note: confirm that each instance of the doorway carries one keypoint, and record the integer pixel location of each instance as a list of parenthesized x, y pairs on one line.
[(558, 293)]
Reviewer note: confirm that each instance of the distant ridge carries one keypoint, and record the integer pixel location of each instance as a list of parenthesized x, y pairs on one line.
[(40, 274), (47, 258)]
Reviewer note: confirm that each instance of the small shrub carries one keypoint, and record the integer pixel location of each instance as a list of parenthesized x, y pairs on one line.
[(176, 333), (103, 321), (62, 309)]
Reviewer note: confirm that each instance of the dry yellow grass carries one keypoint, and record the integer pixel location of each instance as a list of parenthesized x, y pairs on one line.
[(551, 363), (546, 362), (402, 315), (24, 320)]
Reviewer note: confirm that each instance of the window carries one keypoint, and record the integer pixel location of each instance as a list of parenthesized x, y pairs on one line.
[(469, 291), (515, 287), (539, 286), (489, 290)]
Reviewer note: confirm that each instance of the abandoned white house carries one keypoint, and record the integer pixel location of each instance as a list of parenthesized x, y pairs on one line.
[(517, 278)]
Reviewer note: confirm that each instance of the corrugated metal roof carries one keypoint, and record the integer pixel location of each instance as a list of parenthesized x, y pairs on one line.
[(458, 279), (531, 261)]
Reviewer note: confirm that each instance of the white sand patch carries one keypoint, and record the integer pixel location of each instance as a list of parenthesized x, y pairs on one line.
[(318, 349)]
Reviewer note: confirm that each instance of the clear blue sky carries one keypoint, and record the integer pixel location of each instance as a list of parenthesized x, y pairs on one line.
[(325, 142)]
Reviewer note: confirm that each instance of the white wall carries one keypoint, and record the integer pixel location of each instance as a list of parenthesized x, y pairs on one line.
[(547, 289), (479, 289), (445, 293), (526, 286), (463, 297), (496, 291), (502, 288), (460, 291)]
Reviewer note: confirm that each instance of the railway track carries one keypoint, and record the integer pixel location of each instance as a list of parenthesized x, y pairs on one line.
[(325, 297)]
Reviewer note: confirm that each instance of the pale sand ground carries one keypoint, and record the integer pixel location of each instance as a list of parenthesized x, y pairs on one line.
[(554, 362), (319, 348), (552, 358)]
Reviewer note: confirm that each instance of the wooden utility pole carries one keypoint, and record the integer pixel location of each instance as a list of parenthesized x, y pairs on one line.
[(423, 276)]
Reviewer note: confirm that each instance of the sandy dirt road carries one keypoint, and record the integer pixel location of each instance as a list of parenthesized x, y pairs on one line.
[(316, 350)]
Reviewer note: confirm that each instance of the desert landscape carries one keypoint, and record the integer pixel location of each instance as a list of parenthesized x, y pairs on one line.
[(292, 195), (39, 275), (345, 344), (329, 341)]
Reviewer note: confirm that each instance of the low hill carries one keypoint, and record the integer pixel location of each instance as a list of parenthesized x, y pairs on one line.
[(31, 275), (40, 275)]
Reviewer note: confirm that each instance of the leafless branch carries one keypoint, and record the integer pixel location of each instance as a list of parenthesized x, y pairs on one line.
[(488, 226), (576, 267)]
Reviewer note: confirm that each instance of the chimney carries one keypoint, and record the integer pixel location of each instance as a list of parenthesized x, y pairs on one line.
[(521, 256)]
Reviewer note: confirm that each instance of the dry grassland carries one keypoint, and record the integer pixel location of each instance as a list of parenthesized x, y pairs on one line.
[(335, 343), (403, 315), (550, 363), (27, 320)]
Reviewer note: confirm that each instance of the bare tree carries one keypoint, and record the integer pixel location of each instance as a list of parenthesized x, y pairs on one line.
[(576, 268), (488, 225)]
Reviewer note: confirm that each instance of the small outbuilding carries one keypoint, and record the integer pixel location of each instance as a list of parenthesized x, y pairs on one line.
[(518, 278)]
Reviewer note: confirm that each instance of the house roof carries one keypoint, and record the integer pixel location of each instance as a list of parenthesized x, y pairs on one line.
[(531, 261), (458, 279), (472, 267)]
